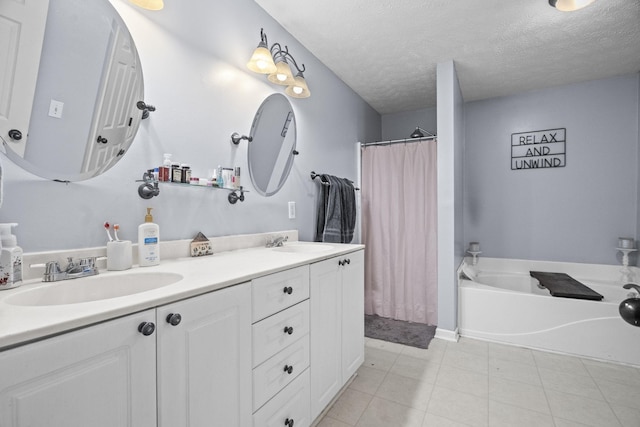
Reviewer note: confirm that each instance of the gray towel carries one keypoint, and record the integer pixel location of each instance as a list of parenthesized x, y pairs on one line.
[(336, 210)]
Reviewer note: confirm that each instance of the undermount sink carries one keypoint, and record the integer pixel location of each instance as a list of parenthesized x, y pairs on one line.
[(94, 288), (303, 247)]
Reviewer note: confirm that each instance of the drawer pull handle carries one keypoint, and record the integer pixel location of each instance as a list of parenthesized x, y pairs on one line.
[(288, 330), (146, 328), (174, 319), (340, 263), (288, 290), (289, 422), (347, 261), (288, 369)]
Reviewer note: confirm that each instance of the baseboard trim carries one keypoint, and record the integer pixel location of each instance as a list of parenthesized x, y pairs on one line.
[(447, 335)]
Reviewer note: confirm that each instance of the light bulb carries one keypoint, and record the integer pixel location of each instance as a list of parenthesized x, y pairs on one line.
[(297, 90), (281, 77)]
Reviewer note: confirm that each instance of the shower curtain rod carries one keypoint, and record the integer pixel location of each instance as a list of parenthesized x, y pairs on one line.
[(397, 141)]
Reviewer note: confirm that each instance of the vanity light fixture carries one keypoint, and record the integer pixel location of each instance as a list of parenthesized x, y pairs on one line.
[(276, 62), (149, 4), (569, 5)]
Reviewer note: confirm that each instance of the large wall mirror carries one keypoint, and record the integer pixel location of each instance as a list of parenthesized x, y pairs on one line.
[(84, 116), (271, 150)]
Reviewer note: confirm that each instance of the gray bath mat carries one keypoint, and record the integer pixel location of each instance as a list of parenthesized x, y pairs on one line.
[(398, 331)]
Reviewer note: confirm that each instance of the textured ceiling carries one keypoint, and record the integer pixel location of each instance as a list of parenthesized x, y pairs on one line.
[(387, 50)]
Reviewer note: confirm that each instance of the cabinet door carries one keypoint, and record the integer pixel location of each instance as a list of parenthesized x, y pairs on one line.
[(99, 376), (325, 333), (204, 361), (352, 314)]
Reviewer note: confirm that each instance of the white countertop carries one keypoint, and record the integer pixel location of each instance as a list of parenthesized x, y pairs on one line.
[(21, 324)]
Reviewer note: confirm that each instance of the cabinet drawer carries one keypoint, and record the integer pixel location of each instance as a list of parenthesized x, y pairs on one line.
[(269, 335), (273, 293), (292, 403), (270, 377)]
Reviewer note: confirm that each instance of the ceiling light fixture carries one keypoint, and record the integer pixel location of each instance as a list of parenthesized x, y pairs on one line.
[(570, 5), (420, 133), (149, 4), (276, 63)]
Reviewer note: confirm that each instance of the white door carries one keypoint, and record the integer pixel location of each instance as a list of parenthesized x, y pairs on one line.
[(116, 117), (99, 376), (204, 360), (352, 314), (325, 333), (22, 24)]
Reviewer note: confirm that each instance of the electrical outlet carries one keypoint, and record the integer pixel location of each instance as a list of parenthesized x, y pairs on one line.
[(55, 109), (292, 210)]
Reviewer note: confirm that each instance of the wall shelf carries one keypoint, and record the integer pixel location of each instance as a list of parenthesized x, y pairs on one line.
[(235, 194), (150, 187)]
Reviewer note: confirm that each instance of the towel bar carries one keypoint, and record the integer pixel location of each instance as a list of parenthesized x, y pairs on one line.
[(316, 175)]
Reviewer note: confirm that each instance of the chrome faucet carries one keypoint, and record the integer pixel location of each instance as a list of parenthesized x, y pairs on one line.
[(85, 267), (277, 241)]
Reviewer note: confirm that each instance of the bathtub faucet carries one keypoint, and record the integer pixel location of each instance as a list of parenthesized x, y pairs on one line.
[(631, 285)]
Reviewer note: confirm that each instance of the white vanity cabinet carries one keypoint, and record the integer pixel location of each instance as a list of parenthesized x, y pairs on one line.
[(270, 352), (99, 376), (337, 325), (204, 360), (107, 375), (280, 348)]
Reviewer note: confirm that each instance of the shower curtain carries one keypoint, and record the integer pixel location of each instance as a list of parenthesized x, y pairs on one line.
[(399, 226)]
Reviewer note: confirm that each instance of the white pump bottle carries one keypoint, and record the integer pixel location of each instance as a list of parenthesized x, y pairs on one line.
[(10, 258)]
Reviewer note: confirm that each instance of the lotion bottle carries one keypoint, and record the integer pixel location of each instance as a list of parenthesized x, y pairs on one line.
[(10, 258), (148, 242)]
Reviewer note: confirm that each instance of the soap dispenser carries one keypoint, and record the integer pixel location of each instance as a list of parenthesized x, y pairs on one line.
[(148, 242), (10, 258)]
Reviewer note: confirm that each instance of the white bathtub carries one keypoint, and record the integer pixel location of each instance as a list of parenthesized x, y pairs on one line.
[(502, 303)]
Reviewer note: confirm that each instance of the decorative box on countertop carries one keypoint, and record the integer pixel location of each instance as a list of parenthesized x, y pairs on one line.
[(201, 246)]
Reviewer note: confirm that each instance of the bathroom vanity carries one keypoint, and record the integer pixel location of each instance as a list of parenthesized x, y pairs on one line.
[(251, 337)]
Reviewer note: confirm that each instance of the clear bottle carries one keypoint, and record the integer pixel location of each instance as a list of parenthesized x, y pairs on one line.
[(10, 258), (148, 242), (219, 178)]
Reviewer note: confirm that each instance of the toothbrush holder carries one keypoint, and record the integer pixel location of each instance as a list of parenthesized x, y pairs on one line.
[(119, 255)]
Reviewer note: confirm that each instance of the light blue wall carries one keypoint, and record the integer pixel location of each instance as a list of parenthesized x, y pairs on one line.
[(401, 125), (574, 213), (193, 58)]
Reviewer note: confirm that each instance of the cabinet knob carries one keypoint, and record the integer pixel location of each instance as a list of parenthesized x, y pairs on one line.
[(288, 369), (288, 290), (340, 263), (174, 319), (288, 330), (347, 261), (146, 328), (288, 422)]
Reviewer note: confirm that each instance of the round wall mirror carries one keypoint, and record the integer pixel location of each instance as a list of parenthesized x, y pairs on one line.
[(84, 115), (271, 150)]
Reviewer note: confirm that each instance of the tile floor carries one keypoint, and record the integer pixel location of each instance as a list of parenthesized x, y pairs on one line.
[(474, 383)]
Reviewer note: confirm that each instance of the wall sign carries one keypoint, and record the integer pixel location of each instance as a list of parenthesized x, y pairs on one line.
[(539, 149)]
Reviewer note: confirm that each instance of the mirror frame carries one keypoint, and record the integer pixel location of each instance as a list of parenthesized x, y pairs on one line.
[(268, 144), (103, 135)]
